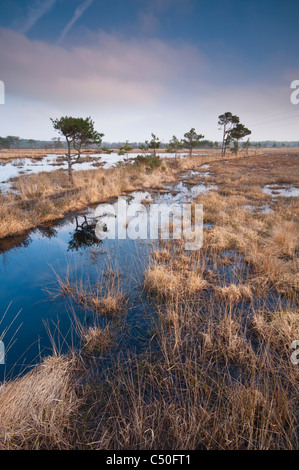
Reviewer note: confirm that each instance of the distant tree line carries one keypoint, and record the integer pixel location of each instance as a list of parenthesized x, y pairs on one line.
[(15, 142), (80, 134)]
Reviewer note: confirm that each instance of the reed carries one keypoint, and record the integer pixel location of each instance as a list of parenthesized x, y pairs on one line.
[(217, 372)]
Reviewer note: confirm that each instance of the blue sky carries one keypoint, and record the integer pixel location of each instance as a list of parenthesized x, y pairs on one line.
[(142, 66)]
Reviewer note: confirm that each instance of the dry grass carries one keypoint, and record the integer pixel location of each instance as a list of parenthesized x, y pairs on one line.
[(105, 298), (110, 304), (162, 281), (97, 339), (49, 196), (217, 372), (209, 390), (234, 293), (278, 329), (37, 411), (34, 154), (174, 279), (285, 238)]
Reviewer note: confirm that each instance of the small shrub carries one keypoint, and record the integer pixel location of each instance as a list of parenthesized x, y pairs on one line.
[(151, 161)]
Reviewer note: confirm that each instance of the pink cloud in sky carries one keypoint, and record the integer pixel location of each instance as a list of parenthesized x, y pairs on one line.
[(134, 87), (110, 72)]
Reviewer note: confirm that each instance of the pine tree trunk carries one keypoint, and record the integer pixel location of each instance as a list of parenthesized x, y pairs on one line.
[(69, 162), (223, 140)]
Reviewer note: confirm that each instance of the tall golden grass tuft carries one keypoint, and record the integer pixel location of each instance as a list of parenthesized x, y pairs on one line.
[(216, 373), (234, 293), (37, 410), (97, 339)]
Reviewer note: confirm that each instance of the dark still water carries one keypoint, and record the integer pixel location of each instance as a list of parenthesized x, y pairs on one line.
[(29, 290), (30, 269)]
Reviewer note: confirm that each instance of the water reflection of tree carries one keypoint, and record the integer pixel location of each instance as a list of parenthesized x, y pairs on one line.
[(48, 231), (84, 235), (17, 241)]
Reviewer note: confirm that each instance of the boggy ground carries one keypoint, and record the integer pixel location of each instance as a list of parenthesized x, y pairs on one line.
[(34, 154), (8, 155), (44, 197), (217, 373)]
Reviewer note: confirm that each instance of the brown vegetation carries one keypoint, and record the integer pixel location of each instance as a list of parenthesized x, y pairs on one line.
[(37, 410), (219, 375), (49, 196)]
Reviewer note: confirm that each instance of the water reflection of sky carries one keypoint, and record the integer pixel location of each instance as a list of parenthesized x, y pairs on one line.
[(27, 271), (53, 162), (285, 190)]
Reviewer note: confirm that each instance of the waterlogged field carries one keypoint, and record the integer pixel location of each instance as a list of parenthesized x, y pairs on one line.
[(18, 165), (155, 347)]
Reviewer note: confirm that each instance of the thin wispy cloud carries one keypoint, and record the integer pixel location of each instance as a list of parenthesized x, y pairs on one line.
[(37, 10), (77, 15), (163, 60), (136, 72)]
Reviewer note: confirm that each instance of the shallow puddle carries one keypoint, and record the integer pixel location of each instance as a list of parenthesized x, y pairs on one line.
[(286, 191), (53, 162), (73, 249), (265, 209), (79, 249)]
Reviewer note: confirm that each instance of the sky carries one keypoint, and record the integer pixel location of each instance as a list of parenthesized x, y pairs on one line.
[(143, 66)]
